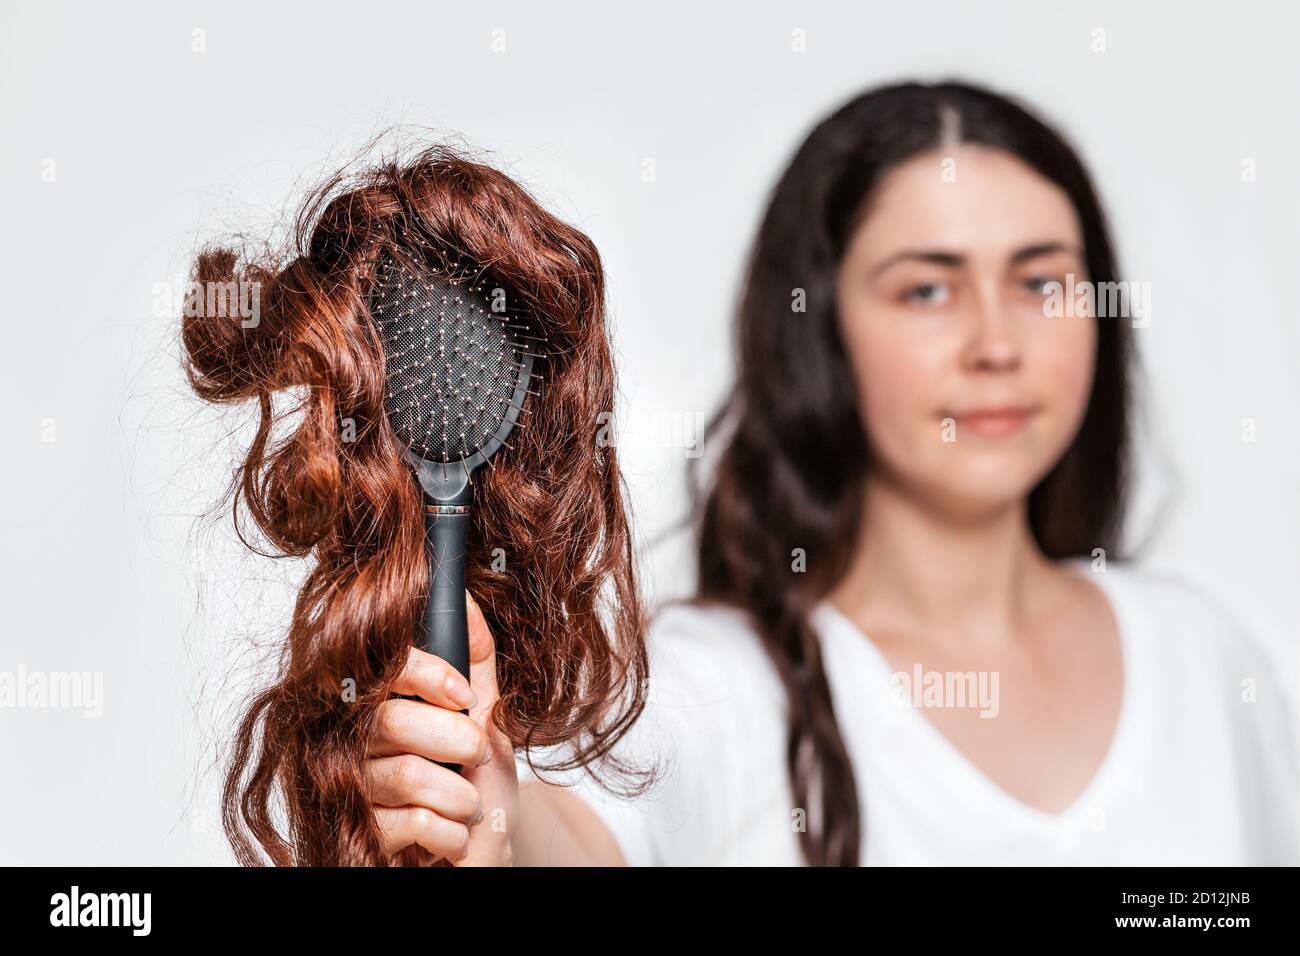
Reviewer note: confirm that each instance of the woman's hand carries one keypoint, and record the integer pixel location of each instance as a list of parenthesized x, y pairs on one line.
[(464, 819)]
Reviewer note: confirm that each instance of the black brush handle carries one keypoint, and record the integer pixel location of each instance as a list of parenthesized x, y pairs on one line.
[(444, 631)]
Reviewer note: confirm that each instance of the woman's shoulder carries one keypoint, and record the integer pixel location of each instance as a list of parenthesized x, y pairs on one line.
[(1193, 633), (694, 616), (709, 645), (711, 731), (1169, 607)]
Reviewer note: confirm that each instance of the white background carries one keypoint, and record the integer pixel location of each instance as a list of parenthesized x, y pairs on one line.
[(106, 566)]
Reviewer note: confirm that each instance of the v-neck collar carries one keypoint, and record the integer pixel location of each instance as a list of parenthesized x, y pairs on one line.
[(840, 632)]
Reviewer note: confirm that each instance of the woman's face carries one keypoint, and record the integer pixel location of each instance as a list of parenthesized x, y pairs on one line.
[(970, 391)]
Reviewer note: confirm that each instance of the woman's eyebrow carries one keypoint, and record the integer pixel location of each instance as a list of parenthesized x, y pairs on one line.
[(1043, 249), (956, 260), (935, 256)]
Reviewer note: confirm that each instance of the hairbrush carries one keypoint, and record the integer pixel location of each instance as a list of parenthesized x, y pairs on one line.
[(457, 372)]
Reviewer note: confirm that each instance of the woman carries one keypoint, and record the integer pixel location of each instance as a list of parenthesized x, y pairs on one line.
[(911, 641)]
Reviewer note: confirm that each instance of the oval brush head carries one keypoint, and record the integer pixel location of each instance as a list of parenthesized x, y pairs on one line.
[(457, 371)]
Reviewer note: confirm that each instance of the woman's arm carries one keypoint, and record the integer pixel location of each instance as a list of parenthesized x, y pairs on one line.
[(459, 817), (558, 828)]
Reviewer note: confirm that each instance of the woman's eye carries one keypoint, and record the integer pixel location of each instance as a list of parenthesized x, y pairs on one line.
[(1038, 284), (927, 293)]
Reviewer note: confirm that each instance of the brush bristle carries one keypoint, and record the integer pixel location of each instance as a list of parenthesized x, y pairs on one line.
[(452, 364)]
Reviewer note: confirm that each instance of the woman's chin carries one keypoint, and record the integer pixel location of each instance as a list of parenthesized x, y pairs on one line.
[(978, 490)]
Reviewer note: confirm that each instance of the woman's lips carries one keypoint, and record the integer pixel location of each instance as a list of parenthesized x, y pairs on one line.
[(993, 422)]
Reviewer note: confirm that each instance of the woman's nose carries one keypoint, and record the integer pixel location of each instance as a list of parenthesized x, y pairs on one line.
[(993, 338)]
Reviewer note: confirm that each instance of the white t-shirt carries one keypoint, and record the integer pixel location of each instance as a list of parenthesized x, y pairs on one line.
[(1202, 768)]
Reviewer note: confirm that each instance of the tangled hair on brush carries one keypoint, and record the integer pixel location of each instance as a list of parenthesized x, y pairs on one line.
[(565, 614)]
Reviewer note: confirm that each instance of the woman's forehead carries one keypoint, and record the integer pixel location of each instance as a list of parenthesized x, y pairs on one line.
[(967, 200)]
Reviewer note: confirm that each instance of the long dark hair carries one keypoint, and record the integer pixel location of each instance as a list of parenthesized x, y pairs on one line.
[(794, 447)]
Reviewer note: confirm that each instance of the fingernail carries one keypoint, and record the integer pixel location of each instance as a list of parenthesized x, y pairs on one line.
[(460, 692)]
